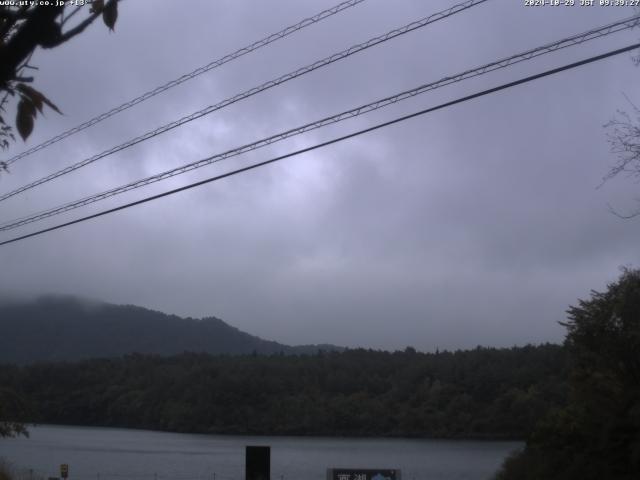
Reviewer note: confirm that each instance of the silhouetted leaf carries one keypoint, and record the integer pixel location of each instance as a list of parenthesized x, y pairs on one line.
[(37, 97), (97, 6), (51, 104), (110, 14), (24, 118), (35, 101), (29, 107)]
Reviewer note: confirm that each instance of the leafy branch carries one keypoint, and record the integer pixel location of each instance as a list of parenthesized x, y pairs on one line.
[(22, 30)]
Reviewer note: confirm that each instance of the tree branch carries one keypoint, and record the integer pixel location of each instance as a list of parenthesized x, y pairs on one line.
[(68, 17), (77, 29), (14, 15), (37, 29)]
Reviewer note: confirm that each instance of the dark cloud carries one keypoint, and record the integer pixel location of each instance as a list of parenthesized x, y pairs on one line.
[(478, 224)]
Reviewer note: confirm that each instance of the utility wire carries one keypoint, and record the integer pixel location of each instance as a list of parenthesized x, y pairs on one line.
[(354, 112), (330, 142), (198, 71), (253, 91)]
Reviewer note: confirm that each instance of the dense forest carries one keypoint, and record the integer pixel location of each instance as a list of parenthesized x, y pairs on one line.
[(57, 328), (596, 435), (481, 393)]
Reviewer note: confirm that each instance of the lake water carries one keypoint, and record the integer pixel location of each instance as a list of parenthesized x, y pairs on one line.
[(116, 454)]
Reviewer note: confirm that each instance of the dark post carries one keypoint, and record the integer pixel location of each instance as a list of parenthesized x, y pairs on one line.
[(258, 463)]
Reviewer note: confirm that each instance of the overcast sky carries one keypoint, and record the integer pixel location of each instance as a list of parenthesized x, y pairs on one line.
[(477, 224)]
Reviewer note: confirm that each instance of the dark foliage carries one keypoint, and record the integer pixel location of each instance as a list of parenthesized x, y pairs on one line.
[(25, 27), (597, 435), (14, 409), (481, 393)]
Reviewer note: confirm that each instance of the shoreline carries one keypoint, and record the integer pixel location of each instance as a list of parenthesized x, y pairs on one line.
[(478, 438)]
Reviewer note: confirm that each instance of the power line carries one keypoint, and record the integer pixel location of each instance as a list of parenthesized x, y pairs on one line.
[(255, 90), (198, 71), (330, 142), (354, 112)]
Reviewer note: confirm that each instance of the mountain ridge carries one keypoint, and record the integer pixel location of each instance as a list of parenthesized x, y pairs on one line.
[(65, 328)]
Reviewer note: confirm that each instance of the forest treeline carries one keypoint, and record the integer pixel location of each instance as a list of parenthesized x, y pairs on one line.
[(480, 393)]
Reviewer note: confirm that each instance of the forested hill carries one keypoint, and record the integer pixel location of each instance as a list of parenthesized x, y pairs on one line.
[(65, 328), (480, 393)]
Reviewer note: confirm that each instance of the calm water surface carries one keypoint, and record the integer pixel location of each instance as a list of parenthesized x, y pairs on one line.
[(116, 454)]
